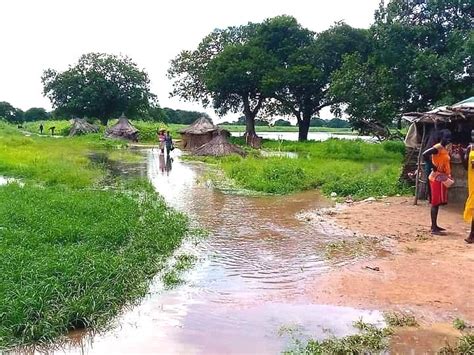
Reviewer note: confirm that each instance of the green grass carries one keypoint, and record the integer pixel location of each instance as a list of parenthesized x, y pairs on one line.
[(465, 346), (73, 255), (394, 319), (345, 167), (459, 324), (370, 340)]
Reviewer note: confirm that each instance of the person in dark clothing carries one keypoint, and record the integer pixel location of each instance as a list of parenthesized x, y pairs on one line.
[(52, 130), (168, 143), (41, 128)]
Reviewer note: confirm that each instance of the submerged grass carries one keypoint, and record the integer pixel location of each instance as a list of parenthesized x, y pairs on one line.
[(73, 255)]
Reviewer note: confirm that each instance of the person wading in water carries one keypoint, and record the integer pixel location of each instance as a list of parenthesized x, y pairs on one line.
[(441, 172)]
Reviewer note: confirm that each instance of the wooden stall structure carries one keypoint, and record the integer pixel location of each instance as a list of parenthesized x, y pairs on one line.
[(459, 119)]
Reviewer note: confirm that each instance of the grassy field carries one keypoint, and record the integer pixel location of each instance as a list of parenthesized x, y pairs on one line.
[(72, 254), (148, 129), (344, 167)]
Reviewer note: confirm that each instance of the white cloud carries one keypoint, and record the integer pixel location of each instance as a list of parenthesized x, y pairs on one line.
[(37, 35)]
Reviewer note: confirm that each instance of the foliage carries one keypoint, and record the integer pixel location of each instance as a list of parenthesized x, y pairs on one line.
[(465, 346), (35, 114), (299, 82), (394, 319), (182, 116), (459, 324), (421, 57), (99, 85), (370, 340), (10, 113)]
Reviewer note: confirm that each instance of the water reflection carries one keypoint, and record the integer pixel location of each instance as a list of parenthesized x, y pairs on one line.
[(312, 136)]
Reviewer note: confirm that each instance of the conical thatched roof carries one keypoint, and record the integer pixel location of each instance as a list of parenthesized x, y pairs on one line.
[(201, 126), (122, 129), (81, 126), (218, 147)]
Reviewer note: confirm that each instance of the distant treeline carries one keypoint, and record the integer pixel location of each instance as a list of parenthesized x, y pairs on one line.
[(315, 122), (167, 115)]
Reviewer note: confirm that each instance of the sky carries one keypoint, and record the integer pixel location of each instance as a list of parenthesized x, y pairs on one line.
[(37, 35)]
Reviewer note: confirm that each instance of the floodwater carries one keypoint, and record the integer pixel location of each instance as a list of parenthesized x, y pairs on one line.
[(245, 294), (312, 136)]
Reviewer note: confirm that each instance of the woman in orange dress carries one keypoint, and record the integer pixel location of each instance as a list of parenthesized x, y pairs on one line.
[(441, 171)]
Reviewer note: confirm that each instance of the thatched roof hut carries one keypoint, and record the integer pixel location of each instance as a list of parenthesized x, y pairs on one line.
[(218, 147), (198, 133), (123, 129), (81, 126), (459, 119)]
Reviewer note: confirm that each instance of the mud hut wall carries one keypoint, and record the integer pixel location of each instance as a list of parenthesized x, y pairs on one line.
[(193, 141)]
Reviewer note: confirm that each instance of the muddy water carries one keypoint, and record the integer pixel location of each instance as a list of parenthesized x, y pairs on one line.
[(244, 295)]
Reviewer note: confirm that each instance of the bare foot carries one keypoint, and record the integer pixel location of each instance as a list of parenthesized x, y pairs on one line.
[(437, 231)]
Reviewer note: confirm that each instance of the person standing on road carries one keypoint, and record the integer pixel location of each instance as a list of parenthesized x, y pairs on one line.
[(441, 173), (41, 128)]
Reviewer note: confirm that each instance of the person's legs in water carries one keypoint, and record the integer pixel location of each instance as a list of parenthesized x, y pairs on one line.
[(470, 239), (435, 229)]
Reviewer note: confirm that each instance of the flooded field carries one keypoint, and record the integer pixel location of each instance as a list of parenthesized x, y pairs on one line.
[(245, 294)]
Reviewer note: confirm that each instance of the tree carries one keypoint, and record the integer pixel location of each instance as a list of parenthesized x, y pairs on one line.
[(301, 80), (183, 116), (10, 113), (35, 114), (223, 71), (233, 79), (422, 57), (99, 85)]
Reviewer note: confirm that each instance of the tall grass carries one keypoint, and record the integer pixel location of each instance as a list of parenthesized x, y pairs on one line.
[(71, 255), (71, 259), (344, 167)]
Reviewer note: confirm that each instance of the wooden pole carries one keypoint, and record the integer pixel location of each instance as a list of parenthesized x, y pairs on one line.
[(418, 166)]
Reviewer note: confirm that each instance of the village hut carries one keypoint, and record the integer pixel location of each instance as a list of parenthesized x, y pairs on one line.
[(123, 129), (459, 119), (81, 126), (198, 133), (219, 146)]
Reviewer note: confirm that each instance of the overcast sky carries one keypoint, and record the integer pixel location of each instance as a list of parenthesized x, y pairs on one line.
[(36, 35)]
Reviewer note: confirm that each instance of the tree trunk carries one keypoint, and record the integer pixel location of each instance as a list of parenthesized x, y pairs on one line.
[(249, 124), (250, 135), (303, 128)]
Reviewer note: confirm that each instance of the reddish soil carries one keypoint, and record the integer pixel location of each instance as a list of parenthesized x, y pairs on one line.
[(431, 276)]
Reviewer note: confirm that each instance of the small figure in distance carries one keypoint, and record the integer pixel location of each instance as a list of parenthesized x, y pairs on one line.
[(41, 128), (168, 143), (161, 140), (52, 128)]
